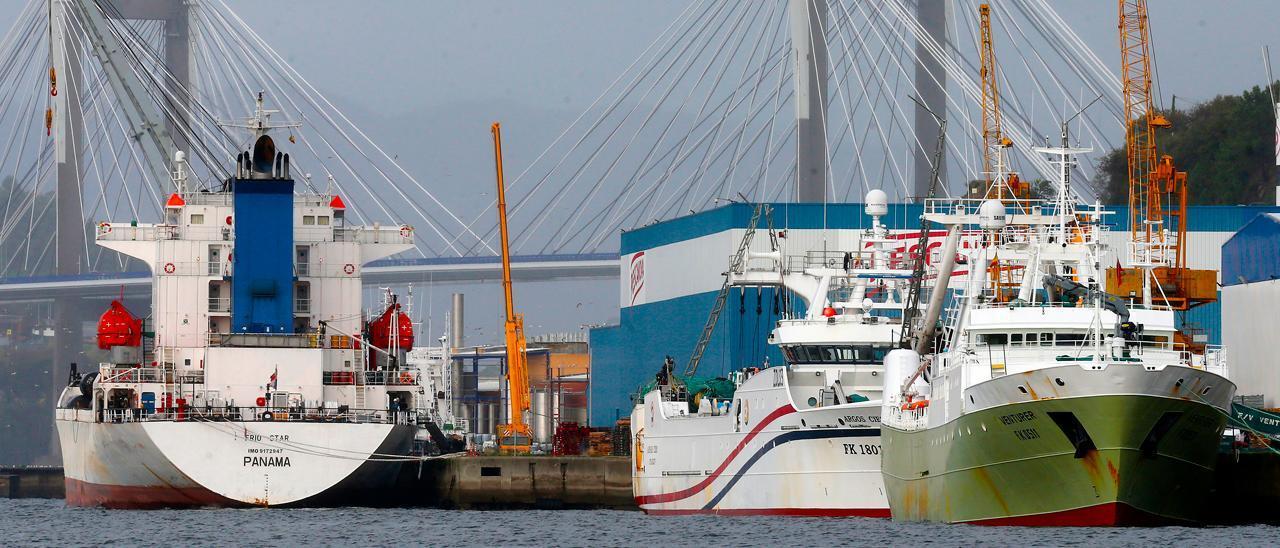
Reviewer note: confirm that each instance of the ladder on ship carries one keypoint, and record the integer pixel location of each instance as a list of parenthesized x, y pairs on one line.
[(360, 403), (735, 265)]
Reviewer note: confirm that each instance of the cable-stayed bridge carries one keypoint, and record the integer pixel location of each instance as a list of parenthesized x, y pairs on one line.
[(805, 100)]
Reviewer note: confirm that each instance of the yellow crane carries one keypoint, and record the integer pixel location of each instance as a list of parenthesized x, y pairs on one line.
[(992, 141), (1157, 190), (513, 437)]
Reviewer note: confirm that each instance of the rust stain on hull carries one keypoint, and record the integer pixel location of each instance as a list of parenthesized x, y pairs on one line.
[(985, 478)]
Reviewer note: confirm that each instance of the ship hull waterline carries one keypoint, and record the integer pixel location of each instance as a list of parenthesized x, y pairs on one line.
[(1142, 460), (143, 465)]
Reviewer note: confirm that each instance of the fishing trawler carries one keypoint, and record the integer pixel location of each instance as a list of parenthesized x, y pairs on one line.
[(1050, 402), (255, 380), (802, 438)]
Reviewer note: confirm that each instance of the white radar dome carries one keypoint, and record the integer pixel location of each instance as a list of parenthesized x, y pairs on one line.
[(876, 203), (991, 215)]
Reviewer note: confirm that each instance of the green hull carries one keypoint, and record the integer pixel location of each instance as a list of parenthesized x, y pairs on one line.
[(1122, 460)]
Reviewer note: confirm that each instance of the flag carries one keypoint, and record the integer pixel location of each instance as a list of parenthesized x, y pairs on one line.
[(274, 383)]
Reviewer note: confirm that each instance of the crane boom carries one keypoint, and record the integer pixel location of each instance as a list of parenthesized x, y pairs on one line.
[(999, 184), (513, 436), (1157, 190), (990, 97), (1146, 209)]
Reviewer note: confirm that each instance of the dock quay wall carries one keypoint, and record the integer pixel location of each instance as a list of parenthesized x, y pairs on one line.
[(32, 482), (509, 482)]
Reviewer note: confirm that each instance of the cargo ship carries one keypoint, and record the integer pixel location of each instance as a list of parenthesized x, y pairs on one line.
[(256, 380), (1050, 402), (800, 438)]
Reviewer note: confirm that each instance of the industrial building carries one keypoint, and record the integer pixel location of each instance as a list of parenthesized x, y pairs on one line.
[(672, 271), (1250, 299)]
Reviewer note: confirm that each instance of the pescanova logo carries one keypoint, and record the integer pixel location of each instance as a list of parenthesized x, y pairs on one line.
[(637, 276)]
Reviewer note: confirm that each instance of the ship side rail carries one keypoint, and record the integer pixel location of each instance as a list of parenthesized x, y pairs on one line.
[(403, 377), (854, 259), (340, 414)]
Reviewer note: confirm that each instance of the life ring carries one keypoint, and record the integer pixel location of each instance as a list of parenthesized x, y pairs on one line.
[(169, 268), (262, 402), (349, 268), (406, 231), (104, 227), (406, 378)]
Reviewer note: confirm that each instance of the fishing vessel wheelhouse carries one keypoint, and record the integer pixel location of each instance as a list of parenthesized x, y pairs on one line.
[(800, 438)]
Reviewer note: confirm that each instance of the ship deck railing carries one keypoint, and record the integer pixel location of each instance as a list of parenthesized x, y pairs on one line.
[(340, 414), (989, 301), (112, 373), (402, 377)]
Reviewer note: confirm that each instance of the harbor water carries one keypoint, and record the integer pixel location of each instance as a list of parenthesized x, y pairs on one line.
[(46, 522)]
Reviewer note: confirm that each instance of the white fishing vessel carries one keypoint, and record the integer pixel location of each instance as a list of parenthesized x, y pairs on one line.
[(255, 379), (800, 438), (1050, 402)]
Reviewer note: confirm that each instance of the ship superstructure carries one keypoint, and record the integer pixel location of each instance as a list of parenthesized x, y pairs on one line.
[(1049, 401), (800, 438), (255, 379)]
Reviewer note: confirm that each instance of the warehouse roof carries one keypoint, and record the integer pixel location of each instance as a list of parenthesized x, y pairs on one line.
[(1253, 253)]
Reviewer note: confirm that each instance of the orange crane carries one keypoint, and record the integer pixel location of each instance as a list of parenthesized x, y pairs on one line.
[(513, 437), (1157, 190), (998, 184)]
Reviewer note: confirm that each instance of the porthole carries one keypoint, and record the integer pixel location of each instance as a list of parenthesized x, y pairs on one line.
[(802, 423), (1059, 381), (984, 427), (1178, 384), (1022, 389), (841, 421), (971, 399), (1206, 390), (813, 402)]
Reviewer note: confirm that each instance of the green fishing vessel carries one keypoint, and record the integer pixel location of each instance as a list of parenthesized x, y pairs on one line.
[(1050, 402)]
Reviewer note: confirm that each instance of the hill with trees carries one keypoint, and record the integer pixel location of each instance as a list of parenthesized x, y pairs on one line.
[(1226, 146)]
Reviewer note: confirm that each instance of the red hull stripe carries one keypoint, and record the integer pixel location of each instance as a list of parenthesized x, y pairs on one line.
[(82, 493), (1109, 514), (811, 512), (686, 493)]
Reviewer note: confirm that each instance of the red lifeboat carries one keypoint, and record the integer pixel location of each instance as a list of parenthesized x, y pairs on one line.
[(118, 327), (392, 325)]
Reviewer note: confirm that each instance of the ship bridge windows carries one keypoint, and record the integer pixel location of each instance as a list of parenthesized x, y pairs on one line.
[(835, 354), (1037, 338)]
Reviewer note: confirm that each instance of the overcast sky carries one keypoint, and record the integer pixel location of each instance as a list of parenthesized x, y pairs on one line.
[(482, 60)]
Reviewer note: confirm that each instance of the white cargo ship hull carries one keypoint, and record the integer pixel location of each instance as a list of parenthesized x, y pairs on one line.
[(227, 463), (761, 457)]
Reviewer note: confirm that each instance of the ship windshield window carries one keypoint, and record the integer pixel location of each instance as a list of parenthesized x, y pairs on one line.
[(839, 354), (1046, 339), (1015, 338), (1070, 339), (993, 338), (1033, 339)]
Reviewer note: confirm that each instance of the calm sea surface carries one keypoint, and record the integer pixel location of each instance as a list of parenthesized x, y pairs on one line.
[(49, 523)]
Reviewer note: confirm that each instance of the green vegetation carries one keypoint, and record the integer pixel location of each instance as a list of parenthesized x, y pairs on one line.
[(1225, 145)]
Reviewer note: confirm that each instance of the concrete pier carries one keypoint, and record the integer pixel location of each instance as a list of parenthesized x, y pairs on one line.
[(31, 482), (492, 482)]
